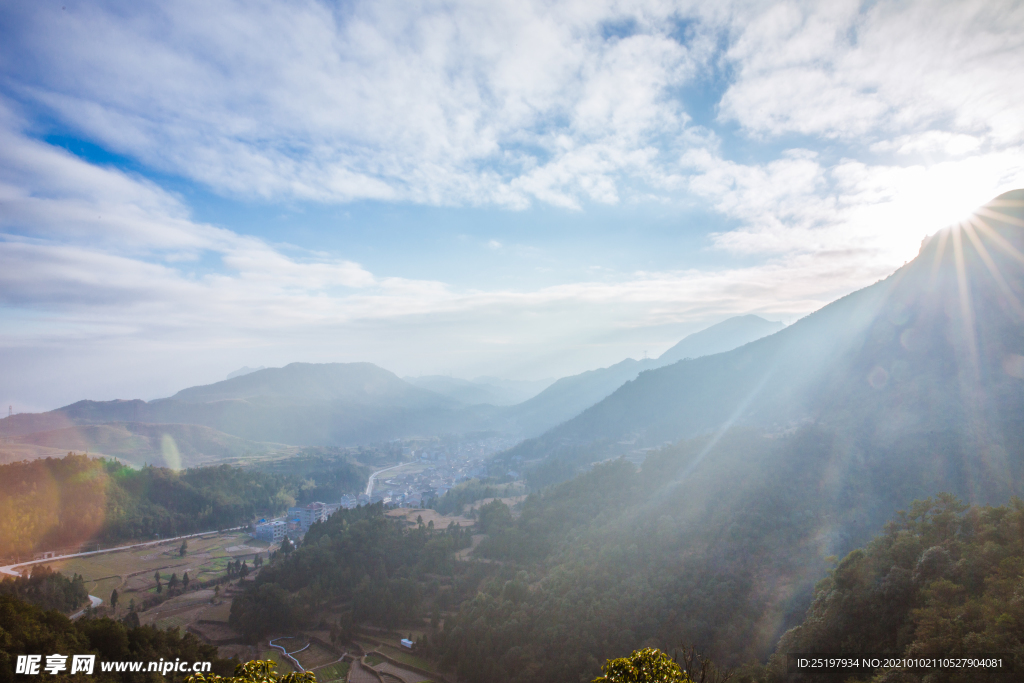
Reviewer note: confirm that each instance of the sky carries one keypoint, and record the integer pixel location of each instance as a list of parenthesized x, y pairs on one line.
[(516, 189)]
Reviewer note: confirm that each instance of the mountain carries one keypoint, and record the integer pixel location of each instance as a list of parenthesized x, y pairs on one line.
[(924, 364), (569, 396), (487, 390), (300, 404), (165, 445), (357, 383), (349, 403), (245, 370), (725, 336)]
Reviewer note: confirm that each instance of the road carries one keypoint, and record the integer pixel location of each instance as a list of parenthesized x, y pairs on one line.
[(95, 602), (369, 484), (10, 571)]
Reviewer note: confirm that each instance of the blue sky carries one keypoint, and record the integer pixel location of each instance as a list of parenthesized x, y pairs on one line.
[(520, 189)]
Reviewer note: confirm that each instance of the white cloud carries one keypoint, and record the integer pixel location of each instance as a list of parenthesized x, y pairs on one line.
[(440, 104), (836, 70)]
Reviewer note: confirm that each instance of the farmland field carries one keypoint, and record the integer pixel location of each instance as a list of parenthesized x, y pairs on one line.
[(314, 656), (406, 657), (332, 672), (283, 665), (206, 558), (440, 521)]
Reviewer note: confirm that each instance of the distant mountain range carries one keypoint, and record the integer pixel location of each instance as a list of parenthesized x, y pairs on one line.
[(489, 390), (569, 396), (345, 404)]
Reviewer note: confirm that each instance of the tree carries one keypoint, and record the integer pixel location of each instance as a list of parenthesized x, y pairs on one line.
[(649, 665), (256, 671), (173, 583), (216, 591), (244, 571), (131, 605), (159, 588), (184, 581), (184, 548), (113, 599), (287, 546)]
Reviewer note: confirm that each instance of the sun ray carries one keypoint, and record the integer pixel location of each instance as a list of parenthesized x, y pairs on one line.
[(966, 309), (1000, 216), (992, 234), (993, 268)]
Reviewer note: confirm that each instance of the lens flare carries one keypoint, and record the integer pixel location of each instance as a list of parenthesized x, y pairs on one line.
[(172, 458)]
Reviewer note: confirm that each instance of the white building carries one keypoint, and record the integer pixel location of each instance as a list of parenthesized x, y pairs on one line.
[(271, 532)]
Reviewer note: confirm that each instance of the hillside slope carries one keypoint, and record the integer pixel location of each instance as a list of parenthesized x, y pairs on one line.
[(175, 446), (570, 396)]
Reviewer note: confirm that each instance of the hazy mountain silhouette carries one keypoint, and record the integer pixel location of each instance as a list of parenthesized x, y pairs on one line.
[(349, 403), (725, 336), (362, 383), (923, 370), (302, 403), (569, 396), (244, 370), (488, 390)]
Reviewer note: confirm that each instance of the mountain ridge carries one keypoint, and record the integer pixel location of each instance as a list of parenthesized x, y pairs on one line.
[(923, 351)]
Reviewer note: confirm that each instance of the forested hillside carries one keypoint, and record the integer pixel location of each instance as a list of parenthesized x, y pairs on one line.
[(322, 474), (369, 567), (28, 629), (47, 589), (943, 579), (51, 503), (713, 543)]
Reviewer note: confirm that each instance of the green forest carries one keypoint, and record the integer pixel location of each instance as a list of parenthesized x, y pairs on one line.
[(28, 629), (68, 502), (943, 579), (321, 474), (47, 589), (371, 568)]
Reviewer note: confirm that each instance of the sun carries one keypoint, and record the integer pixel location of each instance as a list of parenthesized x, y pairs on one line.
[(924, 200)]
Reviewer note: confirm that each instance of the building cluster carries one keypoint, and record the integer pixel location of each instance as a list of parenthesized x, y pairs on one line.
[(443, 466), (295, 524), (417, 489)]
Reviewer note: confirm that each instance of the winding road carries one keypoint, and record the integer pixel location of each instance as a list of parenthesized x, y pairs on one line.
[(369, 484)]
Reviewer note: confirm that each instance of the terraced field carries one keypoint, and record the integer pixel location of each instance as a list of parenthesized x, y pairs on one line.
[(315, 656), (406, 657), (403, 675), (332, 672), (283, 665)]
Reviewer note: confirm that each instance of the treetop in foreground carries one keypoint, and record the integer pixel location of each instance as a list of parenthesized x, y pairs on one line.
[(649, 665), (256, 671)]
